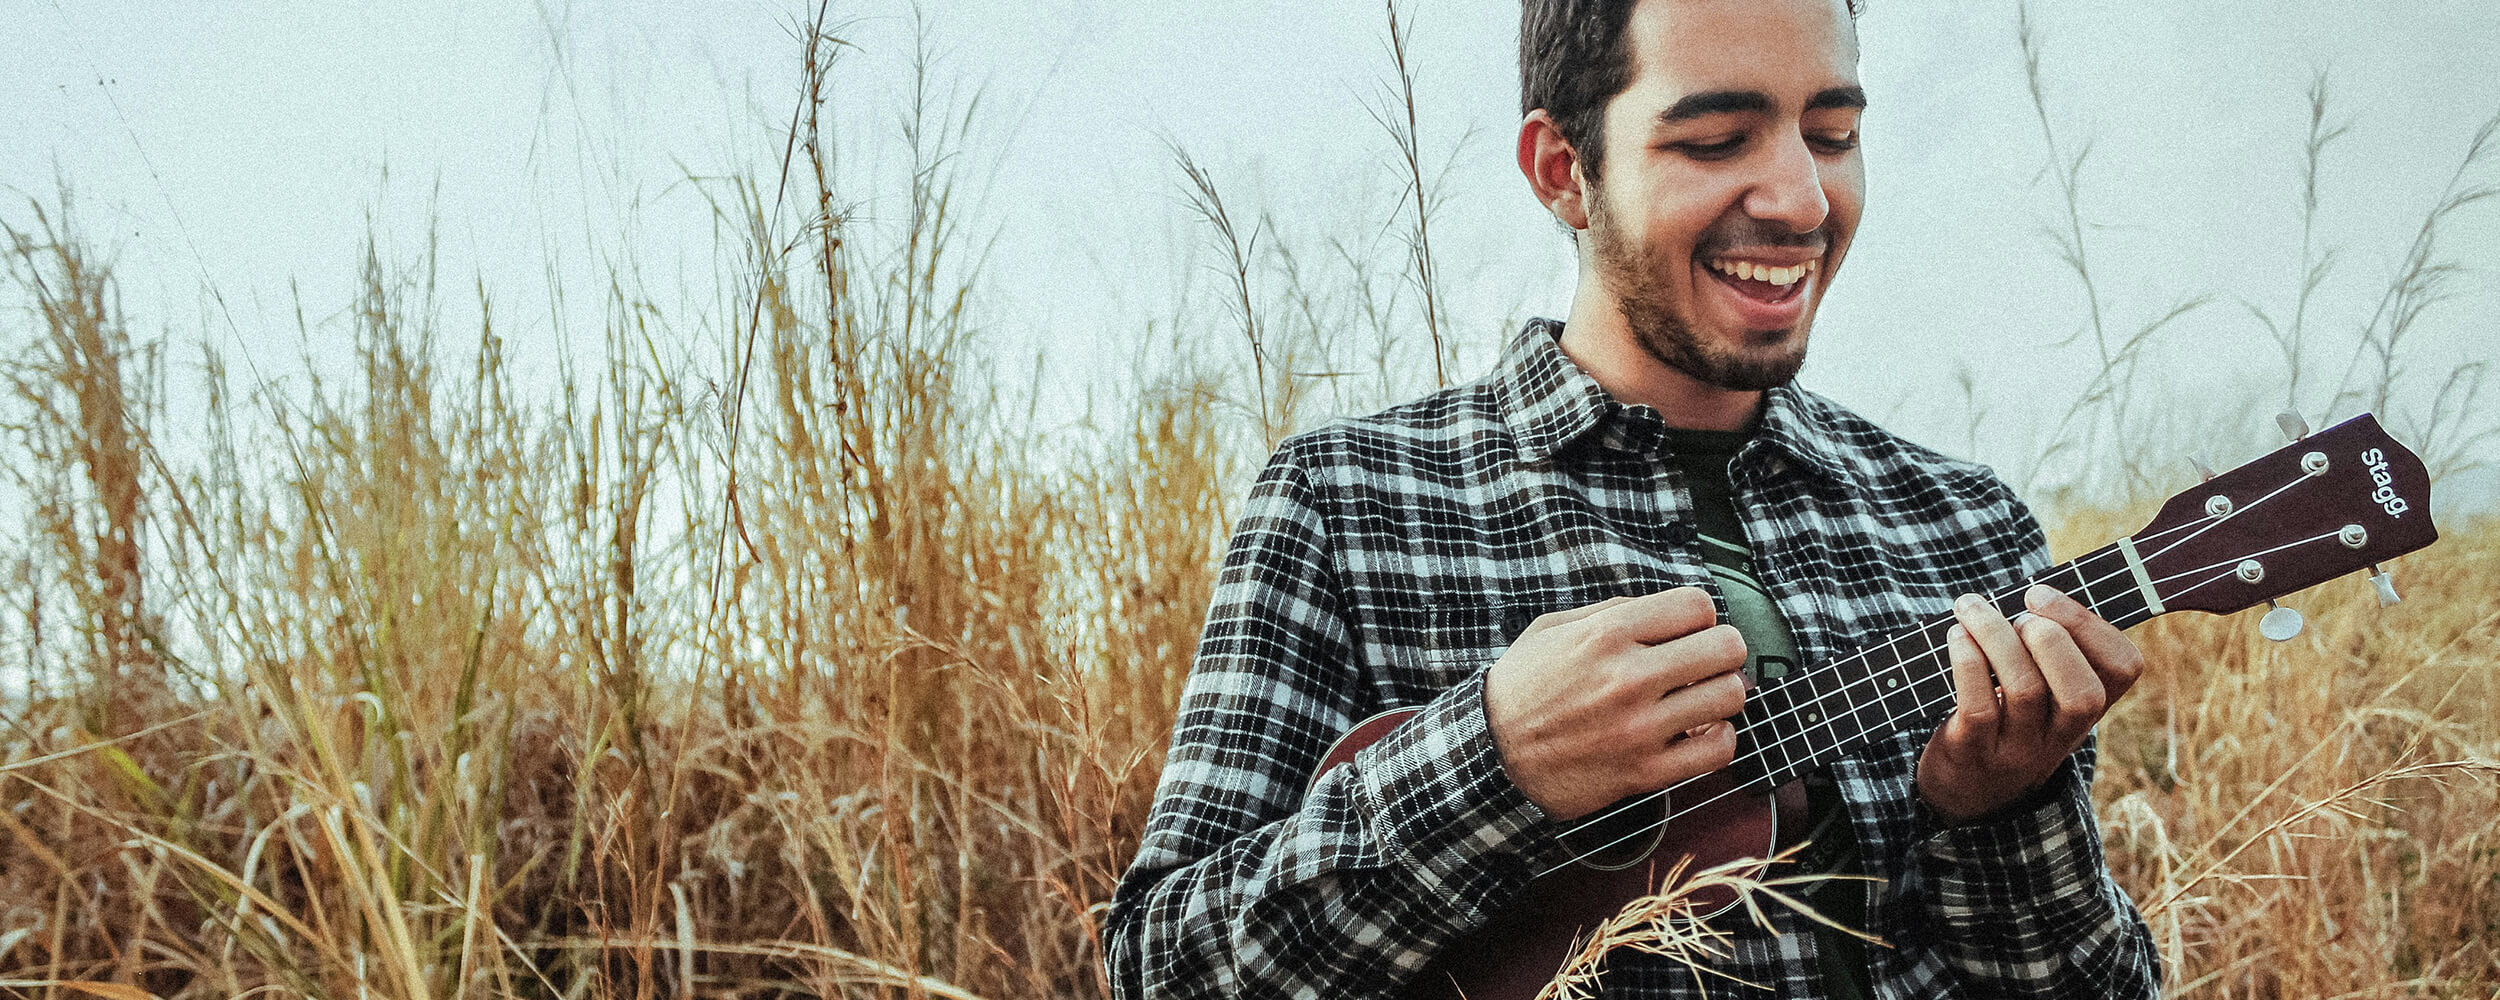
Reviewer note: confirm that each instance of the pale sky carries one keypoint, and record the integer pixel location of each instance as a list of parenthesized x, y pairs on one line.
[(241, 147)]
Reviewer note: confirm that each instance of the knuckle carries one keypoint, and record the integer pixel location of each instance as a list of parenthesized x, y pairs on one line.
[(1692, 604), (1665, 768), (2086, 706), (1600, 630), (1625, 683), (1722, 747), (1731, 643), (1995, 630), (1731, 693), (2041, 628)]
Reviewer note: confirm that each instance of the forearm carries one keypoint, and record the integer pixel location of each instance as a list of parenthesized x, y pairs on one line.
[(1384, 863)]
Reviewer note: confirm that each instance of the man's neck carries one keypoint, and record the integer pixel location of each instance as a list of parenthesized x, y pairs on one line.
[(1596, 338)]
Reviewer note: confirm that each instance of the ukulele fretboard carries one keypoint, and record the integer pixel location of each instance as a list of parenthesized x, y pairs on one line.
[(1904, 683)]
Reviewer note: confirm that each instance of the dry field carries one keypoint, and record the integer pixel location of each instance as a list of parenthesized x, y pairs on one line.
[(785, 671)]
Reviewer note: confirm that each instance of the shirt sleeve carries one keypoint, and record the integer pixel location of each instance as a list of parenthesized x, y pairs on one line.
[(1246, 884), (2022, 900), (2025, 904)]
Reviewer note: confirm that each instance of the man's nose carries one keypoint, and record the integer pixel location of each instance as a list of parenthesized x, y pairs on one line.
[(1790, 191)]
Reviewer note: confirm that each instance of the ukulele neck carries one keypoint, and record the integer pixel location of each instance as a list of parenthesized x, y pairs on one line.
[(1906, 682)]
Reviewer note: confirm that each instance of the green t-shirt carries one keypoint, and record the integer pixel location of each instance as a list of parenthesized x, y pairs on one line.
[(1771, 654)]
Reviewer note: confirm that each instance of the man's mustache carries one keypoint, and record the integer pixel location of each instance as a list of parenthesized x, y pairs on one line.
[(1749, 233)]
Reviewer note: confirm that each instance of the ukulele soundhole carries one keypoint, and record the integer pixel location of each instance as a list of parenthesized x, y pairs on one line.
[(1621, 835)]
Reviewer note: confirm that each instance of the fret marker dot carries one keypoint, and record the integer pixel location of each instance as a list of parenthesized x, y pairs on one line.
[(1893, 682), (1813, 717)]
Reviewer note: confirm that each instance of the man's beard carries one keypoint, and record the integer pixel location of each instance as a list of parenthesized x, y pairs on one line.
[(1634, 278)]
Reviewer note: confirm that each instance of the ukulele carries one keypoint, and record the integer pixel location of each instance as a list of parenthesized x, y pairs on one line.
[(2346, 498)]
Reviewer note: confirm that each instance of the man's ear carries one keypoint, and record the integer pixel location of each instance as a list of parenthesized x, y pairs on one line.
[(1553, 169)]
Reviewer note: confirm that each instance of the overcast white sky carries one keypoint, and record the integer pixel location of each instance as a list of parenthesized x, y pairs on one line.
[(242, 146)]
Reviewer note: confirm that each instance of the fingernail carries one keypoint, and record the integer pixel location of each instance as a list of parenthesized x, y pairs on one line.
[(1966, 602), (2041, 596)]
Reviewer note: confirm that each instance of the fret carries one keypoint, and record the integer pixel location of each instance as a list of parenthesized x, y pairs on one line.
[(1753, 748), (1895, 687), (2121, 599), (1819, 727), (1931, 674), (1904, 683), (1766, 744), (2074, 580), (1858, 708)]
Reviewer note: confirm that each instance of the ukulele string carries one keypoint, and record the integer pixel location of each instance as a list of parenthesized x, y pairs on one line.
[(1920, 708), (2086, 586), (1761, 752), (1689, 809), (2215, 521), (2199, 526), (1636, 802)]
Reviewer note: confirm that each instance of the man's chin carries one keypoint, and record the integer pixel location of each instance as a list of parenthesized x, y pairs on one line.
[(1769, 359), (1751, 374)]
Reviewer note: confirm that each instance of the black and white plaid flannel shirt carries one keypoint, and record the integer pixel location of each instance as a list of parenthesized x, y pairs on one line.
[(1387, 561)]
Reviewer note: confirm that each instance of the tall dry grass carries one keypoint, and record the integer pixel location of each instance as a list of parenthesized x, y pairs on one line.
[(785, 666)]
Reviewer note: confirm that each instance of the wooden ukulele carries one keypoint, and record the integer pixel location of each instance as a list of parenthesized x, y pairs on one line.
[(2331, 503)]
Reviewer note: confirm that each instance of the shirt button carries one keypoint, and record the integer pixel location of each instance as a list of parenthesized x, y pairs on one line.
[(1515, 620), (1680, 533)]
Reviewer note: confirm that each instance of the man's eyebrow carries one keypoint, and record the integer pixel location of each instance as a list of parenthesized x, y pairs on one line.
[(1722, 102), (1838, 97), (1715, 102)]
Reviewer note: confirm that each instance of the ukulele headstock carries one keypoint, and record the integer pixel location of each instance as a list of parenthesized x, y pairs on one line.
[(2334, 502)]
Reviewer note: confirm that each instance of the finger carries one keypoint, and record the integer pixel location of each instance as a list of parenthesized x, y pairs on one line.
[(1560, 618), (2113, 656), (1690, 755), (2024, 694), (1676, 663), (1654, 618), (1974, 722), (1696, 705), (2075, 692)]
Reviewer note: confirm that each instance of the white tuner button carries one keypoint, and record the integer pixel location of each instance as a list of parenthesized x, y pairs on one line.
[(2280, 623), (2386, 586)]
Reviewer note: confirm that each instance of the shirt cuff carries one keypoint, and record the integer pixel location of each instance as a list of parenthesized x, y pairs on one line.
[(1441, 802), (2040, 849)]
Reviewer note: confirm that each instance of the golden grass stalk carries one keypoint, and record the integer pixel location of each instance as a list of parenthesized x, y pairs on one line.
[(1670, 924)]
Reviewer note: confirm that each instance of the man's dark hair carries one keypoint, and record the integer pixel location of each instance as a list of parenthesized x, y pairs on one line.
[(1573, 59)]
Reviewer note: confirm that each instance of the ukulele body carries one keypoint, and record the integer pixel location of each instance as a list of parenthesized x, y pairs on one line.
[(1517, 953)]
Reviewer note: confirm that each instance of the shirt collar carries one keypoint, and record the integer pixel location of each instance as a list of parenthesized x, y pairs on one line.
[(1550, 402)]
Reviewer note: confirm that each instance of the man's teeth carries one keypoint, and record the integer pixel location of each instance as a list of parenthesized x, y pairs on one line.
[(1750, 271)]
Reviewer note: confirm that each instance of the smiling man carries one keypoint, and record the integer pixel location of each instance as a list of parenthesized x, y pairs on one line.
[(1574, 570)]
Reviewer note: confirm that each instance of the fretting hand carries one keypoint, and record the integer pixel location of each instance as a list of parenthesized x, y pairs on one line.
[(2024, 697), (1617, 698)]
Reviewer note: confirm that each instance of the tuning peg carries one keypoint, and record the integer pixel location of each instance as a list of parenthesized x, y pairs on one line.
[(2293, 427), (2386, 586), (2280, 623), (2204, 473)]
